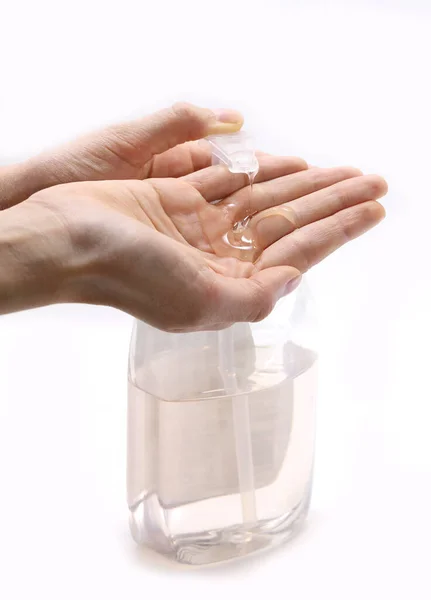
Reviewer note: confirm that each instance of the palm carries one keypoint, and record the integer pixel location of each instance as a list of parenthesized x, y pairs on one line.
[(313, 212), (178, 210)]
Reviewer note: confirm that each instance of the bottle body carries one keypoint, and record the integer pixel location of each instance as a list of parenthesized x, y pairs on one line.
[(218, 470)]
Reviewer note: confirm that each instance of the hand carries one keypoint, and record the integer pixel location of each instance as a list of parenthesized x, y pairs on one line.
[(156, 146), (152, 248)]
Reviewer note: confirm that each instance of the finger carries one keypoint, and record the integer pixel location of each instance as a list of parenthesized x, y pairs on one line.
[(272, 224), (284, 189), (249, 300), (190, 157), (217, 182), (308, 245), (167, 128)]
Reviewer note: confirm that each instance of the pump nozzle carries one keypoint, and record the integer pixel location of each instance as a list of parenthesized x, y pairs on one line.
[(236, 151)]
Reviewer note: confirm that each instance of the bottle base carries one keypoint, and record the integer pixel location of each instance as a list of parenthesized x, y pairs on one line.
[(207, 547)]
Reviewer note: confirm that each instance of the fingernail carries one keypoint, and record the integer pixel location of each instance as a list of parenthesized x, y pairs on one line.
[(292, 285), (227, 115), (226, 121)]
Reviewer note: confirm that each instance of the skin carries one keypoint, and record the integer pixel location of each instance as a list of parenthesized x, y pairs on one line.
[(125, 217)]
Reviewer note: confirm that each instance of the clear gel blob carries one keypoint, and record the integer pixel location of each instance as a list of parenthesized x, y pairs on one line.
[(240, 238)]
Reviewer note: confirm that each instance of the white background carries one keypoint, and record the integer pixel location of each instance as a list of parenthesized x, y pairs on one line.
[(336, 82)]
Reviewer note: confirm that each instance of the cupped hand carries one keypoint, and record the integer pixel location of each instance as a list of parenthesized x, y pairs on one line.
[(155, 248)]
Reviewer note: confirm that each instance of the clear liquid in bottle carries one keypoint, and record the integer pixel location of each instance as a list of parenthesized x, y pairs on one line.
[(183, 487)]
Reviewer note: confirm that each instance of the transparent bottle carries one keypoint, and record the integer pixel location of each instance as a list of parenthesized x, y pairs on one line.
[(221, 431)]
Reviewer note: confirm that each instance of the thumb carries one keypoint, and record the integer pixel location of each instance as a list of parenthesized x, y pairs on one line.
[(181, 123), (253, 299)]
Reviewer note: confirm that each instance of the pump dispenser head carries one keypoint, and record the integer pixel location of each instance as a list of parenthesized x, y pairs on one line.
[(236, 151)]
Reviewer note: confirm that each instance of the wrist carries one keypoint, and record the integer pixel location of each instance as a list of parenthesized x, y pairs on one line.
[(38, 264)]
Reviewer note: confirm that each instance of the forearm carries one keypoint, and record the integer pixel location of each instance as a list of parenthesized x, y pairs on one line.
[(18, 182), (35, 259)]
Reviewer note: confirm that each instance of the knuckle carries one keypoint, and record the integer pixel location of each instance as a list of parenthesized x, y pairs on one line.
[(338, 198), (183, 110), (317, 179), (302, 251), (196, 118), (342, 229)]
